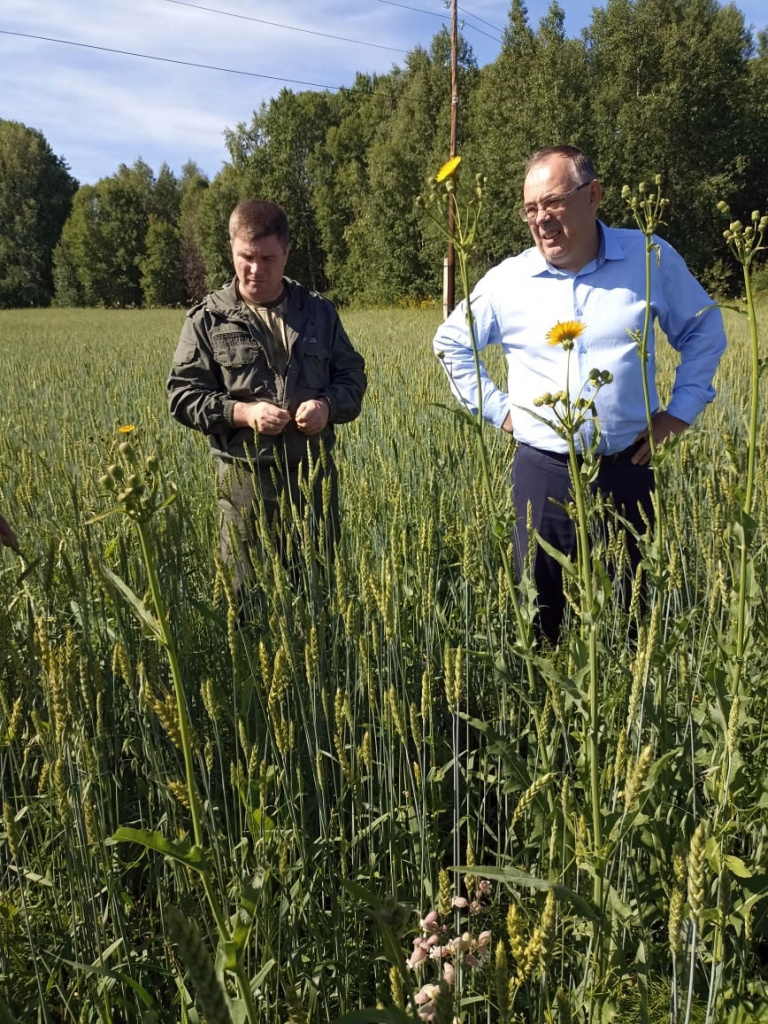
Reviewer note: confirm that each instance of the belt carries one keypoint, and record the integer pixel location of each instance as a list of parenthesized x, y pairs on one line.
[(605, 460)]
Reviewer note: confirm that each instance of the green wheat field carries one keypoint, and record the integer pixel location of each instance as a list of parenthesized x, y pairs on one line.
[(371, 744)]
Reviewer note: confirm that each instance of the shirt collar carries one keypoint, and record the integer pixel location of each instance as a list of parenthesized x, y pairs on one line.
[(610, 249)]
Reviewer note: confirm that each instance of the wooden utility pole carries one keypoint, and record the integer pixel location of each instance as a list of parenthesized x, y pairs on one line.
[(449, 268)]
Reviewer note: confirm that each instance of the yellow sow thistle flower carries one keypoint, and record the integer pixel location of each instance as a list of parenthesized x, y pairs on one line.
[(566, 333), (126, 429), (448, 169)]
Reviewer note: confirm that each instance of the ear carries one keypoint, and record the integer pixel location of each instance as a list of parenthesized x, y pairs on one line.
[(595, 193)]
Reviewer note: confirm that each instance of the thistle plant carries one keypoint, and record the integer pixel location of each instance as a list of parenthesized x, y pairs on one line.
[(570, 415), (745, 243), (648, 210)]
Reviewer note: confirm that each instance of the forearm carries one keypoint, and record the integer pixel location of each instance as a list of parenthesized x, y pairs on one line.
[(207, 411), (454, 348)]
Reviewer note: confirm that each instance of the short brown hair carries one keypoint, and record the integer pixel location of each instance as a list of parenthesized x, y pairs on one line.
[(258, 218), (582, 167)]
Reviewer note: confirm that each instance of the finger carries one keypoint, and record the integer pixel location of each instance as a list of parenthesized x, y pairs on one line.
[(642, 456)]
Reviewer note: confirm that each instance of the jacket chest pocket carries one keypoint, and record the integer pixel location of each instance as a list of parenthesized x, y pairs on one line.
[(315, 365), (235, 350)]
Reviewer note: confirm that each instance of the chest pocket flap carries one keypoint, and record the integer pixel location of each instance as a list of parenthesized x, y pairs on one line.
[(233, 346)]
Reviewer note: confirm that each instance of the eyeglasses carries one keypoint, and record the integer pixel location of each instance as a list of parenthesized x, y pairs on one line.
[(550, 204)]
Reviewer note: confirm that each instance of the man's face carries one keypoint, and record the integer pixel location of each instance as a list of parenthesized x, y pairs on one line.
[(259, 267), (566, 235)]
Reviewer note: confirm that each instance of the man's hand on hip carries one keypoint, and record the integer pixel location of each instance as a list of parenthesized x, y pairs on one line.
[(261, 416), (664, 427), (312, 415)]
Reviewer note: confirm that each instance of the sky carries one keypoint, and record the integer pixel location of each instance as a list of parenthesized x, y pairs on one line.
[(99, 108)]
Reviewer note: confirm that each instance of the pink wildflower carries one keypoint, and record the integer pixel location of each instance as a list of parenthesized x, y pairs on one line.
[(460, 902), (417, 957), (430, 923)]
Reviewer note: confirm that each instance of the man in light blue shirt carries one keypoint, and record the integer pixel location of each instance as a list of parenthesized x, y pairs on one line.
[(580, 269)]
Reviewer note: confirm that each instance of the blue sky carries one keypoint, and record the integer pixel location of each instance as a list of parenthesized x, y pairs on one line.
[(98, 109)]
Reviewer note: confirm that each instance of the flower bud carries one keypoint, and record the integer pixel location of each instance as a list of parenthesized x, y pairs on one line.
[(723, 206), (115, 471)]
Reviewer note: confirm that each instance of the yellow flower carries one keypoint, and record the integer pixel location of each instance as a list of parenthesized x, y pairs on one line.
[(448, 169), (565, 333), (126, 429)]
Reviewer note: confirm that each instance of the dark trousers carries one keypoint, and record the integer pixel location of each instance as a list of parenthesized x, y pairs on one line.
[(263, 510), (542, 481)]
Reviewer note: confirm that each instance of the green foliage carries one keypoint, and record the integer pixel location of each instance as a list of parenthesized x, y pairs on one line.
[(214, 207), (657, 71), (162, 281), (36, 192), (193, 186), (390, 257), (97, 261)]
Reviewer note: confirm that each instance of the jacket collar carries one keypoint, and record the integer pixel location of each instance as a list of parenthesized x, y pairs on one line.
[(226, 301)]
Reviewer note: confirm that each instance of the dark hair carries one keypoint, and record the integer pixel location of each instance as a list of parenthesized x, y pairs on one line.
[(582, 167), (258, 218)]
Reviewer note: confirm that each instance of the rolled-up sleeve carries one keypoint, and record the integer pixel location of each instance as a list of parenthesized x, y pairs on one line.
[(452, 345), (694, 327)]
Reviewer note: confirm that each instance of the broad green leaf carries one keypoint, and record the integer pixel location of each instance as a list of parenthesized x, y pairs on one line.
[(182, 851), (135, 602), (513, 876), (114, 975), (737, 866)]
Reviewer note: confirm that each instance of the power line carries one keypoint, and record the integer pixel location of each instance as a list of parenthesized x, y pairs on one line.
[(478, 18), (434, 14), (291, 28), (169, 60)]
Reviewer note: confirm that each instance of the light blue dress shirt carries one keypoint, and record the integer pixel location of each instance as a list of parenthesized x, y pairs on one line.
[(515, 305)]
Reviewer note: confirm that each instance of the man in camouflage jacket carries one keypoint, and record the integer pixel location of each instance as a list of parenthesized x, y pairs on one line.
[(265, 369)]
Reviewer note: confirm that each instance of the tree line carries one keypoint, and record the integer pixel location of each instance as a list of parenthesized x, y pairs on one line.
[(671, 87)]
